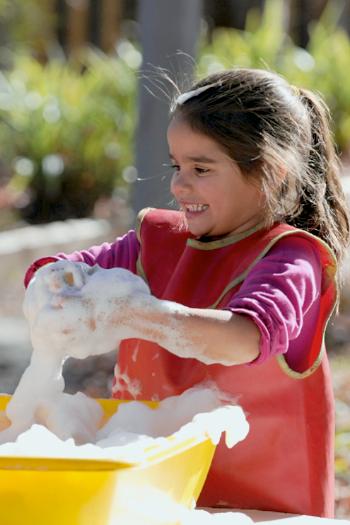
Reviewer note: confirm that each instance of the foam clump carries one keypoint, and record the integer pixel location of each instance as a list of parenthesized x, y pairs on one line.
[(202, 517), (63, 301), (154, 508), (196, 412), (39, 442), (62, 294)]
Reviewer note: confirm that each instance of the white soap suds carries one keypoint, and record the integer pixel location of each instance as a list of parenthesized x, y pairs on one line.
[(61, 304), (135, 352), (176, 338), (197, 412), (64, 300), (123, 383), (199, 409), (155, 507)]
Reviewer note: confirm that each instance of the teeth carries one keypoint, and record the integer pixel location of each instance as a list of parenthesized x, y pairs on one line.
[(196, 207)]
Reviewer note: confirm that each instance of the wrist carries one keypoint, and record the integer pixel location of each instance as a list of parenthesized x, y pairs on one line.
[(156, 319)]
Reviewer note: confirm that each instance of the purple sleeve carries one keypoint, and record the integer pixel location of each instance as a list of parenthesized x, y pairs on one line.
[(281, 295), (122, 253)]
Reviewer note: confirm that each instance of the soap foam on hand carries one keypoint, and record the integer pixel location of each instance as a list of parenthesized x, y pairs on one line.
[(78, 309), (68, 295)]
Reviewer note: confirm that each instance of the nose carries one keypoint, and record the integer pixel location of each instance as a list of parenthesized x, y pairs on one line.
[(180, 183)]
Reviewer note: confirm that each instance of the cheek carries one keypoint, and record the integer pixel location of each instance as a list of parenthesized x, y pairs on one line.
[(248, 192), (256, 197), (175, 186)]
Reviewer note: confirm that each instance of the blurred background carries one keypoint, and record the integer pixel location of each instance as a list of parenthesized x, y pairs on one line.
[(83, 115)]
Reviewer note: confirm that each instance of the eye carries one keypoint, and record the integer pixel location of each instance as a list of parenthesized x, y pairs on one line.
[(175, 167), (201, 171)]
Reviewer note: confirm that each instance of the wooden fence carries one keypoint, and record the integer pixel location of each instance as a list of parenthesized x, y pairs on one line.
[(84, 21)]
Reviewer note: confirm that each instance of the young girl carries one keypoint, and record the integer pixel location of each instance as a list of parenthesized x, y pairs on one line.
[(243, 280)]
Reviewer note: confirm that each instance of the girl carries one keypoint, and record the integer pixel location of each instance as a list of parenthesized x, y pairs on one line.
[(243, 280)]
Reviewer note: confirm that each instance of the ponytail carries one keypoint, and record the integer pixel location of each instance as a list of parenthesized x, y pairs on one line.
[(323, 207)]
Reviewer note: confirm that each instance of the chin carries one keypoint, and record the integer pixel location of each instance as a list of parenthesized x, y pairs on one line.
[(197, 232)]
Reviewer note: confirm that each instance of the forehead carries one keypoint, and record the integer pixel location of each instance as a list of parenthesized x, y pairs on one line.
[(187, 141)]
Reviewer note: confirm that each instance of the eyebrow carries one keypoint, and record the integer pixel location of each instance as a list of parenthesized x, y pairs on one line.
[(200, 158)]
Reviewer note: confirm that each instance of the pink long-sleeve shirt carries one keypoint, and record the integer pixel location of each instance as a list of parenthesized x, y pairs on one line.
[(281, 294)]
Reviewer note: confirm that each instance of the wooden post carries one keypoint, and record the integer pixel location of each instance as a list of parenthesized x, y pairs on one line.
[(302, 12), (169, 31), (345, 18), (77, 25), (111, 12)]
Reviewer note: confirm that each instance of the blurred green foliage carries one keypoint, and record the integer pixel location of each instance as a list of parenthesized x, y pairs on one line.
[(27, 24), (323, 66), (66, 132), (66, 128)]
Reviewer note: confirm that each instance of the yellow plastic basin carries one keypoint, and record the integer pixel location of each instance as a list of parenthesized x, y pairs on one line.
[(39, 491)]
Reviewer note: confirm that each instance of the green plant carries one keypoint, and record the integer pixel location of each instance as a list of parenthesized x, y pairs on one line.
[(27, 25), (322, 67), (65, 132)]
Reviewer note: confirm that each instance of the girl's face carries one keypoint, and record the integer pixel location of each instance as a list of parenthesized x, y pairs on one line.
[(216, 198)]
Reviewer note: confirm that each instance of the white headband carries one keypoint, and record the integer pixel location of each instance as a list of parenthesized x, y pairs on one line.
[(181, 99)]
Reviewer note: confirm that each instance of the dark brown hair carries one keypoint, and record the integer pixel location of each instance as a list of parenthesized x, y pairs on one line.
[(280, 137)]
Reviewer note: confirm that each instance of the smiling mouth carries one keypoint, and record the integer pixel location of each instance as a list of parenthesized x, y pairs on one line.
[(194, 208)]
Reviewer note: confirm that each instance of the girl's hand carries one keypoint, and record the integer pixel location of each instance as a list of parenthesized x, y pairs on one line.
[(80, 310), (52, 280)]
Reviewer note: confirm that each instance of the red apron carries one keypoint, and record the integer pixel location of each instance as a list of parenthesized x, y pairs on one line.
[(286, 462)]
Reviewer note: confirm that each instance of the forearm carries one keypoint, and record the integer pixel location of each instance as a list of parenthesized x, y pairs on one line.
[(211, 336)]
